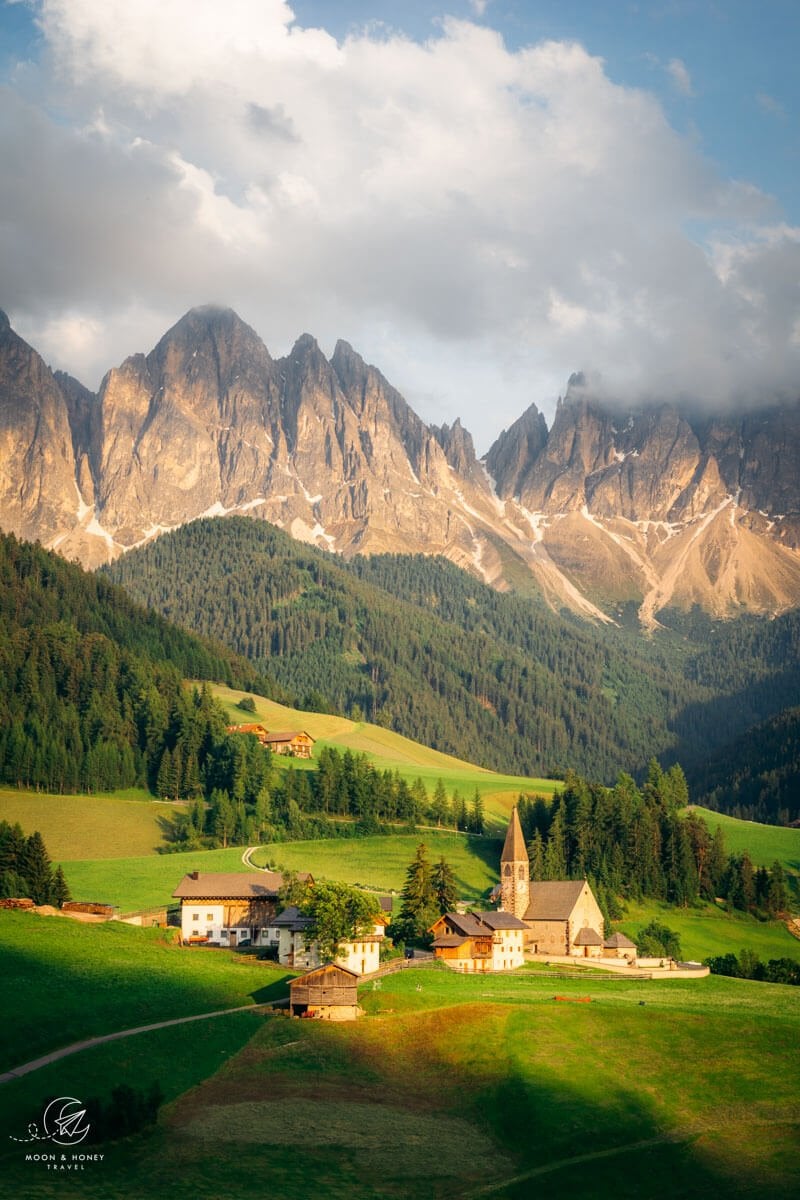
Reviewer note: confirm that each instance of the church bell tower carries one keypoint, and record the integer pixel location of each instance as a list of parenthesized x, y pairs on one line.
[(514, 871)]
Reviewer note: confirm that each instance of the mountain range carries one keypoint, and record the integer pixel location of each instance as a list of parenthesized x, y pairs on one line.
[(610, 511)]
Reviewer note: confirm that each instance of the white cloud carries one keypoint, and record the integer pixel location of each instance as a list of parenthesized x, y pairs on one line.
[(768, 104), (478, 222), (679, 74)]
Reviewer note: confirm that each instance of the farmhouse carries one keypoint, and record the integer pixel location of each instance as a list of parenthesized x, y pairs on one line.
[(290, 930), (229, 908), (294, 742), (258, 731), (479, 941), (328, 993), (561, 916)]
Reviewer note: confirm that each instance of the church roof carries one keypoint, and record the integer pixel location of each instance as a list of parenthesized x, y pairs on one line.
[(514, 847), (588, 937), (553, 901), (618, 941)]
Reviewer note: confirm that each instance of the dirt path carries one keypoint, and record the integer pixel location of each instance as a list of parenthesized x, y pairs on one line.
[(65, 1051), (546, 1168)]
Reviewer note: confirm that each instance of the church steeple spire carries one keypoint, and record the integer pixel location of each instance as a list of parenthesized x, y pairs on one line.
[(514, 870)]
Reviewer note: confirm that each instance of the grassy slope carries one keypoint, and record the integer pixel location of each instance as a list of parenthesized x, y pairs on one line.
[(451, 1083), (394, 752), (708, 930), (108, 826), (100, 978), (379, 862), (764, 843)]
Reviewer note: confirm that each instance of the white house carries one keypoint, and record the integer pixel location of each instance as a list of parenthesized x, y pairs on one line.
[(231, 908), (290, 929)]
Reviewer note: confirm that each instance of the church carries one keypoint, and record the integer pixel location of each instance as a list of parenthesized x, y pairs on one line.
[(561, 917)]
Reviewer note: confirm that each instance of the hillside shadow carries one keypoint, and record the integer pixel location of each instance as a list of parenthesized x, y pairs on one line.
[(487, 850), (50, 1010), (545, 1136)]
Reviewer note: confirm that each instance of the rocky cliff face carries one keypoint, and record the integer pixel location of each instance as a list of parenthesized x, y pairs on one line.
[(607, 508)]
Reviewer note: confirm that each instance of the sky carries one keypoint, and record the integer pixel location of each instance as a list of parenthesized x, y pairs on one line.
[(481, 196)]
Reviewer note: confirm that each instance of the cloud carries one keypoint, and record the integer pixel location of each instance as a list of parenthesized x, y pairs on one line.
[(768, 104), (679, 74), (478, 221)]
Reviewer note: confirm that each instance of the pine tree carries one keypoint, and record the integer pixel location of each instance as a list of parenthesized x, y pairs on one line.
[(477, 823), (439, 804), (443, 883), (59, 891), (536, 856), (36, 869), (418, 910)]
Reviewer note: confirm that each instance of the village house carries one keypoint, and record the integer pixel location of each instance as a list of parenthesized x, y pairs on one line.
[(229, 909), (562, 917), (329, 993), (295, 742), (257, 731), (479, 941), (288, 933)]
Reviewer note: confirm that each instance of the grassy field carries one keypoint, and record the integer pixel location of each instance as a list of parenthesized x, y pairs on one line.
[(144, 882), (392, 751), (381, 862), (64, 981), (764, 843), (125, 824), (664, 1089), (708, 930)]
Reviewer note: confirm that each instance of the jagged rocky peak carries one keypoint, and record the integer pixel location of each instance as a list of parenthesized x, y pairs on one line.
[(456, 441), (5, 324), (38, 497), (214, 343), (515, 452)]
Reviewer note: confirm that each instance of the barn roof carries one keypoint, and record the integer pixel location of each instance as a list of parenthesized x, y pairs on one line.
[(553, 901), (514, 847), (449, 941), (231, 885), (588, 937), (328, 975)]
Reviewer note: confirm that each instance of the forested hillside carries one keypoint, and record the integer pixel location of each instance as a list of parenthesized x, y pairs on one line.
[(91, 685), (416, 645), (757, 777)]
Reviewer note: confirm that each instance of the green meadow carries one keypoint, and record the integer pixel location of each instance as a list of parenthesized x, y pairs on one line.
[(64, 981), (452, 1087), (392, 751), (116, 826), (707, 930), (765, 844), (376, 862)]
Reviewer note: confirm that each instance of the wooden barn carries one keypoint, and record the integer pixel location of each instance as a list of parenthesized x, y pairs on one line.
[(329, 993)]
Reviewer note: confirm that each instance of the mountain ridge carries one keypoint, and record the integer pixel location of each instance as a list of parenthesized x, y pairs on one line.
[(606, 511)]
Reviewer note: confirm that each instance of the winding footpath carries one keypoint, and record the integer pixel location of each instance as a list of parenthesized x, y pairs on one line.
[(65, 1051)]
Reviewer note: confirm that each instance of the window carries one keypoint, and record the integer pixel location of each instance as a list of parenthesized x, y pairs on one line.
[(195, 933), (209, 933), (195, 916), (209, 916)]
